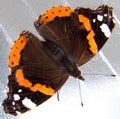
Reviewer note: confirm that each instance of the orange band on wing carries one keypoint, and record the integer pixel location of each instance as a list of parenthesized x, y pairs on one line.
[(22, 81), (60, 11), (18, 46), (90, 37), (43, 89)]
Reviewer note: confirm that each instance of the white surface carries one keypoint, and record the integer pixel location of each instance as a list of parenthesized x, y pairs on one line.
[(100, 93)]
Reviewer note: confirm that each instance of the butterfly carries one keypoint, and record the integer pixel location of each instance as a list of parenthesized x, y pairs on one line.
[(39, 68)]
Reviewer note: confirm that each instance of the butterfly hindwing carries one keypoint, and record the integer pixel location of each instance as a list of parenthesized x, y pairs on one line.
[(81, 34), (65, 31)]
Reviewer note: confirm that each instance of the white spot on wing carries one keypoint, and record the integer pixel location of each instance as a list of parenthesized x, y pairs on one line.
[(20, 90), (99, 17), (105, 15), (94, 20), (18, 113), (28, 103), (114, 21), (105, 29), (16, 97), (13, 103)]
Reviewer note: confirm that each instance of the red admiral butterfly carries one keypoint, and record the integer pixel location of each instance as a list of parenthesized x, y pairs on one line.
[(39, 68)]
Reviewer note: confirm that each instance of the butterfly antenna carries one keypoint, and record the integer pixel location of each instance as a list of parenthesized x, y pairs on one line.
[(80, 93), (112, 75)]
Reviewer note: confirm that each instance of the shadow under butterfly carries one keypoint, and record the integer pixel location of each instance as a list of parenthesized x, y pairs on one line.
[(39, 68)]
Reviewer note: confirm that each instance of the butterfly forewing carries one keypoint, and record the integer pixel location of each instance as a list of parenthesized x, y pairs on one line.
[(34, 79)]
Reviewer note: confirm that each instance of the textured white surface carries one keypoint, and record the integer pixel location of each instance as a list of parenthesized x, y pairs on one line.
[(100, 93)]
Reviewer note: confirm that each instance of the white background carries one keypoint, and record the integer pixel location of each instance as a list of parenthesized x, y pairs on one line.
[(100, 93)]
